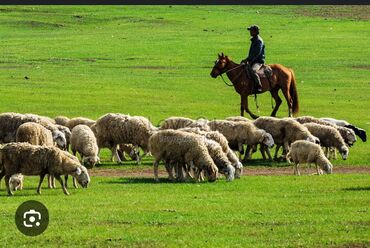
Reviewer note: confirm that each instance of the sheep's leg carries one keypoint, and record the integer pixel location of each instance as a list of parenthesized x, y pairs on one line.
[(2, 174), (66, 181), (296, 170), (247, 154), (155, 165), (241, 150), (268, 153), (276, 152), (74, 182), (169, 170), (62, 184), (121, 154), (42, 176), (180, 172), (7, 178)]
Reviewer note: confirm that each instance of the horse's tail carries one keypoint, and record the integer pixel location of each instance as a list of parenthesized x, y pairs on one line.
[(293, 93)]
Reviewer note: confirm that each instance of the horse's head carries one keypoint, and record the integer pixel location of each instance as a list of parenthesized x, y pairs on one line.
[(220, 65)]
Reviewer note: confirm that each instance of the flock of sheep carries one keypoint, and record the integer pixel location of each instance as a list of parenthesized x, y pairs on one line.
[(198, 149)]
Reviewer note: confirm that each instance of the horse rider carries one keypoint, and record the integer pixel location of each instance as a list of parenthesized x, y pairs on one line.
[(256, 56)]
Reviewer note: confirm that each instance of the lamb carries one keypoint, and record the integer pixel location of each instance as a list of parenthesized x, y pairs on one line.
[(329, 137), (342, 123), (114, 129), (16, 182), (61, 120), (303, 151), (84, 142), (183, 147), (34, 134), (182, 122), (240, 133), (31, 160), (79, 120), (221, 139)]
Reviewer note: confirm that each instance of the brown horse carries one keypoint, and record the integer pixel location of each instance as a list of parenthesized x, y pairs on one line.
[(282, 78)]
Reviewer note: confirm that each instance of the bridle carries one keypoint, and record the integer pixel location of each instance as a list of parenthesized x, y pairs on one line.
[(232, 81)]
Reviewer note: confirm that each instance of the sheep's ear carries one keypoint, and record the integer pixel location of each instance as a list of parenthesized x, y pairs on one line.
[(78, 171)]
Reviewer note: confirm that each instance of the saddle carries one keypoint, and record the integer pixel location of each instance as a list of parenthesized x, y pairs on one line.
[(264, 72)]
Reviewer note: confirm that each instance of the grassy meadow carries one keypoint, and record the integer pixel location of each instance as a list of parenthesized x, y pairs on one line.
[(155, 61)]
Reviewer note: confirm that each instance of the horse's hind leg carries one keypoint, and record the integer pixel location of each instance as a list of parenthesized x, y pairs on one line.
[(275, 95), (289, 100)]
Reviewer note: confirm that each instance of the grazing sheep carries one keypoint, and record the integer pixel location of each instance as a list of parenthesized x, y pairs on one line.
[(84, 142), (284, 131), (61, 120), (16, 182), (220, 159), (129, 149), (311, 119), (182, 122), (242, 132), (329, 137), (221, 139), (79, 120), (31, 160), (303, 151), (184, 147), (114, 129), (35, 134), (348, 135), (342, 123)]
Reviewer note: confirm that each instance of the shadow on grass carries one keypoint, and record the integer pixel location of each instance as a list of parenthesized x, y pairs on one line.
[(143, 180), (357, 189), (261, 162)]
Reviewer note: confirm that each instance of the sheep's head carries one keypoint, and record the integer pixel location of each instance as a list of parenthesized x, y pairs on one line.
[(16, 182), (60, 139), (313, 139), (211, 173), (134, 154), (349, 137), (267, 140), (238, 169), (229, 172), (344, 151), (89, 162), (327, 167), (82, 176)]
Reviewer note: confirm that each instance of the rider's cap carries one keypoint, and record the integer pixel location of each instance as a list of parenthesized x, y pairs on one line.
[(254, 27)]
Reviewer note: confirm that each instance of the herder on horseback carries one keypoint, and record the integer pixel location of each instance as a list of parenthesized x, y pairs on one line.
[(256, 57)]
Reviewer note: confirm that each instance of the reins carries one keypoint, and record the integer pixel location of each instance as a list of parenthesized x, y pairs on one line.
[(232, 81)]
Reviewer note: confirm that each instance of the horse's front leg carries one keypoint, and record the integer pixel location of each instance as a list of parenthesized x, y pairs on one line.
[(243, 99), (245, 105)]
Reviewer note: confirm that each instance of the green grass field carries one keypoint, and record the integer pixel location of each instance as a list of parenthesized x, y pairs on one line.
[(155, 61)]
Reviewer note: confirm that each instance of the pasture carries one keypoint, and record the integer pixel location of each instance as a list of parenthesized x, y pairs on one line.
[(155, 61)]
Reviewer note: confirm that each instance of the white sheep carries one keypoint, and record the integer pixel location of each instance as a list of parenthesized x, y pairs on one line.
[(34, 134), (30, 160), (79, 120), (114, 129), (183, 147), (242, 132), (329, 137), (84, 142), (221, 139), (61, 120), (284, 132), (303, 151)]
